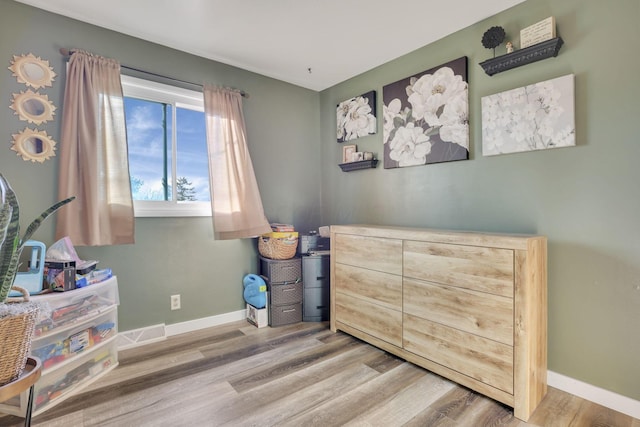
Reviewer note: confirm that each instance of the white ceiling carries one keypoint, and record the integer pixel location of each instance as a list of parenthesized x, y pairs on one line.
[(283, 39)]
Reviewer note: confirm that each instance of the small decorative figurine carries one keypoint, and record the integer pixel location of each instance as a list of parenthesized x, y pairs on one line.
[(509, 47)]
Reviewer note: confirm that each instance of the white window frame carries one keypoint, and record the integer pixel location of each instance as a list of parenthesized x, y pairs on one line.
[(134, 87)]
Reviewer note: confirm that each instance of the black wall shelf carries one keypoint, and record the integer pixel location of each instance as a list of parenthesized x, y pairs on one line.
[(354, 166), (537, 52)]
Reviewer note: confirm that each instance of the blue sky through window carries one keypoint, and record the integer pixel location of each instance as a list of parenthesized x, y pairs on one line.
[(192, 161), (146, 131)]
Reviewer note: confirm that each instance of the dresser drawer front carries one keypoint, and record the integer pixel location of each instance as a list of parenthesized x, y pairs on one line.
[(373, 253), (379, 288), (478, 268), (484, 360), (381, 322), (486, 315)]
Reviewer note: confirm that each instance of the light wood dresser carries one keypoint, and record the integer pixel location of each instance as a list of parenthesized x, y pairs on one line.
[(471, 307)]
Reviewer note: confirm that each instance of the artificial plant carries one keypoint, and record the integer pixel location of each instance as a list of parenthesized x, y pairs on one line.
[(11, 244)]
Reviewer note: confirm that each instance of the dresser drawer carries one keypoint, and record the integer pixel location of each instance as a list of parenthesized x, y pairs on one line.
[(489, 316), (373, 319), (373, 253), (479, 268), (376, 287), (479, 358)]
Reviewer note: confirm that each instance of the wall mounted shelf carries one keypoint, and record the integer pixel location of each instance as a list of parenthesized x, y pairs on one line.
[(528, 55), (363, 164)]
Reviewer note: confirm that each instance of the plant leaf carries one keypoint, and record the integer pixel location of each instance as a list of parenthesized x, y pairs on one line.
[(36, 222), (11, 239)]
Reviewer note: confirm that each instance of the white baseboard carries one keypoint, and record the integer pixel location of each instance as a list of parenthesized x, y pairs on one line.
[(155, 333), (603, 397), (205, 322)]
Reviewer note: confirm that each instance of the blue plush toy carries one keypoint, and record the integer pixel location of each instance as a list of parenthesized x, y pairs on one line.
[(255, 290)]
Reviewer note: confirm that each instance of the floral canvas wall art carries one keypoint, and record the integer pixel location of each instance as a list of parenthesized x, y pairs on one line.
[(356, 117), (426, 117), (534, 117)]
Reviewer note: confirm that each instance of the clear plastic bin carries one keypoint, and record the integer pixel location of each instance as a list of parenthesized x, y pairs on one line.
[(76, 306), (60, 346), (63, 382)]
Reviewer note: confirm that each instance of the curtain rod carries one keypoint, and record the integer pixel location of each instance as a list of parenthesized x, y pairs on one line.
[(68, 52)]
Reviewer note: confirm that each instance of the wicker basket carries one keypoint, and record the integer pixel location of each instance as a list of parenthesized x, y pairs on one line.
[(277, 248), (17, 325)]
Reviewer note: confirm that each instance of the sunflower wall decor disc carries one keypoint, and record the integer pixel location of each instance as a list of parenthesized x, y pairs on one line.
[(32, 71), (33, 107), (34, 145)]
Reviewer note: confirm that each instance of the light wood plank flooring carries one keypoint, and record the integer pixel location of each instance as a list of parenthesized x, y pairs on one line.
[(294, 375)]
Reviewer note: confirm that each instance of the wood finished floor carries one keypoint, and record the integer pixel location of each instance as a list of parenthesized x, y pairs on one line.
[(295, 375)]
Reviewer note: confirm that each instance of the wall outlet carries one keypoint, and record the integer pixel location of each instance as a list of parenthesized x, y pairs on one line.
[(175, 302)]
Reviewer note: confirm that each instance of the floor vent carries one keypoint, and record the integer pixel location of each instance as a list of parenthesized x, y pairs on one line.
[(136, 337)]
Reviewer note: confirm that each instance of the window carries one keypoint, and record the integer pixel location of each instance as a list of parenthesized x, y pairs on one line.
[(168, 159)]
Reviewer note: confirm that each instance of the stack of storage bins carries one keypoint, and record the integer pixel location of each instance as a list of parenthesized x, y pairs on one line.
[(284, 284), (76, 344)]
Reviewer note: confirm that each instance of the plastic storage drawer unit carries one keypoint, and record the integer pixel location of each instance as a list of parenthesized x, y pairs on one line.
[(284, 282), (55, 348), (286, 294), (285, 314), (77, 343), (281, 271), (63, 381), (76, 306)]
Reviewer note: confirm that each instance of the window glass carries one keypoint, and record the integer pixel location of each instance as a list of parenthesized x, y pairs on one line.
[(149, 156), (168, 158), (192, 162)]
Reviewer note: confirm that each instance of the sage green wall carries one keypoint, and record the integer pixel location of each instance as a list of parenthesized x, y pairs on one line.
[(585, 199), (170, 255)]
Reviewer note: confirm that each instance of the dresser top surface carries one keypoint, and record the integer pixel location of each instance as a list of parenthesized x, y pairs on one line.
[(462, 237)]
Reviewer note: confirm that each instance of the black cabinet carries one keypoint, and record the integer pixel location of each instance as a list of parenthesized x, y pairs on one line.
[(315, 276)]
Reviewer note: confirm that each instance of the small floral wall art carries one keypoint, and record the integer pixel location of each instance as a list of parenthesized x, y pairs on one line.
[(426, 117), (356, 117), (534, 117)]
